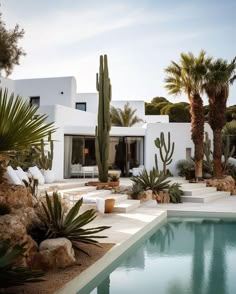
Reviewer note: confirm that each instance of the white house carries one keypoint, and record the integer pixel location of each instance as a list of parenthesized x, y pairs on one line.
[(75, 116)]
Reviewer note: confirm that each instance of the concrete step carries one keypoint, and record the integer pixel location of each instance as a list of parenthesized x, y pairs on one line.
[(209, 197), (126, 206), (118, 197), (198, 191), (97, 193), (189, 186), (78, 190)]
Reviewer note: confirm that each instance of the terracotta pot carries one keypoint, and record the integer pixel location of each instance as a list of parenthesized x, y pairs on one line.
[(109, 205)]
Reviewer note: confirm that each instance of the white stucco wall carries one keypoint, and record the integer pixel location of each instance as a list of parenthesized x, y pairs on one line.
[(67, 121), (51, 91), (7, 84), (91, 100), (180, 133)]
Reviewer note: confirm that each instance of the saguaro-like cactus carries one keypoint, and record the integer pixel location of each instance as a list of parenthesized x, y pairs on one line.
[(227, 153), (46, 157), (104, 125), (166, 150), (208, 153)]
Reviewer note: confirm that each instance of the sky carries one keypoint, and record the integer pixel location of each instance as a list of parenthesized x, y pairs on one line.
[(140, 37)]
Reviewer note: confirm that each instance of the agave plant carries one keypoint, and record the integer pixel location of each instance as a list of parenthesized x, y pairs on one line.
[(70, 225), (20, 128), (136, 189), (152, 181), (10, 274), (175, 193)]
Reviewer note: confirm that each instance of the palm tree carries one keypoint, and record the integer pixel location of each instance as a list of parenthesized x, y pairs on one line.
[(220, 74), (187, 77), (20, 128), (124, 117)]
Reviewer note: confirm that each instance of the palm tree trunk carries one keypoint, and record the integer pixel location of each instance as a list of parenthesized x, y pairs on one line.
[(197, 124), (217, 153), (217, 121)]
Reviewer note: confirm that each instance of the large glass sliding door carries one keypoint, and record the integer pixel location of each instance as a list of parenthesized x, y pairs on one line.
[(124, 153)]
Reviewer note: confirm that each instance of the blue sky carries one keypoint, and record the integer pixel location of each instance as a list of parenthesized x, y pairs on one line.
[(66, 37)]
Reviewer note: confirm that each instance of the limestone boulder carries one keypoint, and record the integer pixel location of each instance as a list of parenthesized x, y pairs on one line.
[(145, 195), (163, 197), (226, 184), (16, 196), (54, 254), (26, 215), (11, 228)]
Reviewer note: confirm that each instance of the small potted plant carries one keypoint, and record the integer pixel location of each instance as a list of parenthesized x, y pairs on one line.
[(114, 179)]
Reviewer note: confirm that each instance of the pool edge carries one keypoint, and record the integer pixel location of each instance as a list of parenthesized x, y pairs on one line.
[(79, 282)]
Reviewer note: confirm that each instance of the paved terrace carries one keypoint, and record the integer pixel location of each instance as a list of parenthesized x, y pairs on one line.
[(127, 228)]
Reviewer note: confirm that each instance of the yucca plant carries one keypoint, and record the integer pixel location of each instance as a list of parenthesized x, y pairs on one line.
[(175, 193), (19, 127), (152, 181), (70, 225), (10, 274)]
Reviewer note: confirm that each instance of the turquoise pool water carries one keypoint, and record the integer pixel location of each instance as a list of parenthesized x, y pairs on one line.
[(192, 256)]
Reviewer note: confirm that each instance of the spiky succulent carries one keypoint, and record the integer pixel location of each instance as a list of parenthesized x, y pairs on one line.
[(152, 181), (10, 274), (71, 225)]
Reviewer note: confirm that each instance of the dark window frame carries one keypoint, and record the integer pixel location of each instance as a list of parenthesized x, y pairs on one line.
[(36, 98), (81, 103)]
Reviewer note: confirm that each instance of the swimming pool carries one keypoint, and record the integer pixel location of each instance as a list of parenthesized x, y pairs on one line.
[(186, 255)]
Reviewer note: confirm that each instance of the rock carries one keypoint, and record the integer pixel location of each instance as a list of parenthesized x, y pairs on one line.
[(145, 195), (226, 184), (54, 254), (27, 215), (163, 197), (11, 228), (16, 196)]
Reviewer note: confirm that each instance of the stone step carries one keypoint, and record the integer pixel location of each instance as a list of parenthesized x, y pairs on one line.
[(198, 191), (118, 197), (97, 193), (209, 197), (126, 206), (78, 190), (189, 186)]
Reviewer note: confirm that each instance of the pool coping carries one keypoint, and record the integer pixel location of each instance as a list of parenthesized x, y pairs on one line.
[(78, 283)]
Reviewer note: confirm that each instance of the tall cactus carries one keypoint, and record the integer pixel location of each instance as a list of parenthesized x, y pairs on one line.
[(227, 153), (166, 150), (104, 125), (208, 153), (46, 158)]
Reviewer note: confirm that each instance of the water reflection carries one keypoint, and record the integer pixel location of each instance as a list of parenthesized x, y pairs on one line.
[(182, 257)]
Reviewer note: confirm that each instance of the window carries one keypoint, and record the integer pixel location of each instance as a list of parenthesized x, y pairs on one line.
[(35, 101), (80, 106)]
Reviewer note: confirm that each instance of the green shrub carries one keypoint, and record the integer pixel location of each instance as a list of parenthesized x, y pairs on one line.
[(151, 181), (10, 274), (184, 167), (175, 193), (4, 208), (231, 170), (55, 223)]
